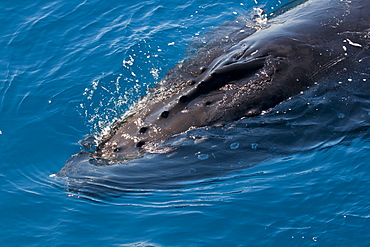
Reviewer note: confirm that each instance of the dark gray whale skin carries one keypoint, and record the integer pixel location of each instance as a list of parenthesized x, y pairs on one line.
[(254, 73)]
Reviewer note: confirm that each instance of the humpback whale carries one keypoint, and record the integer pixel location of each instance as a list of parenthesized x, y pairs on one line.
[(241, 75), (251, 74)]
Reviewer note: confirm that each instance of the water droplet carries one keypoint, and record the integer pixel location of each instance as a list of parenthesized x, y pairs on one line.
[(234, 145), (191, 170), (254, 145), (203, 156), (341, 115)]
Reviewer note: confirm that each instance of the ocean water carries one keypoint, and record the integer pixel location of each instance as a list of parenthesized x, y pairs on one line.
[(69, 68)]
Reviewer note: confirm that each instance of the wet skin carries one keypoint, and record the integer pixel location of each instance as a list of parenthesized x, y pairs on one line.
[(253, 74)]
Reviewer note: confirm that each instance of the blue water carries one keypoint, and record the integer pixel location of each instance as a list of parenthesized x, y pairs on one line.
[(68, 68)]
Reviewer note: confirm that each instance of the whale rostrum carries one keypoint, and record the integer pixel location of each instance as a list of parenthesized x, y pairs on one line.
[(244, 75)]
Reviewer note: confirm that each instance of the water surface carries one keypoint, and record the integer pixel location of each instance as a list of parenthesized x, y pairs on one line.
[(70, 68)]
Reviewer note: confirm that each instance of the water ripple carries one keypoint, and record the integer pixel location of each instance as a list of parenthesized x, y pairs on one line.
[(57, 54)]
